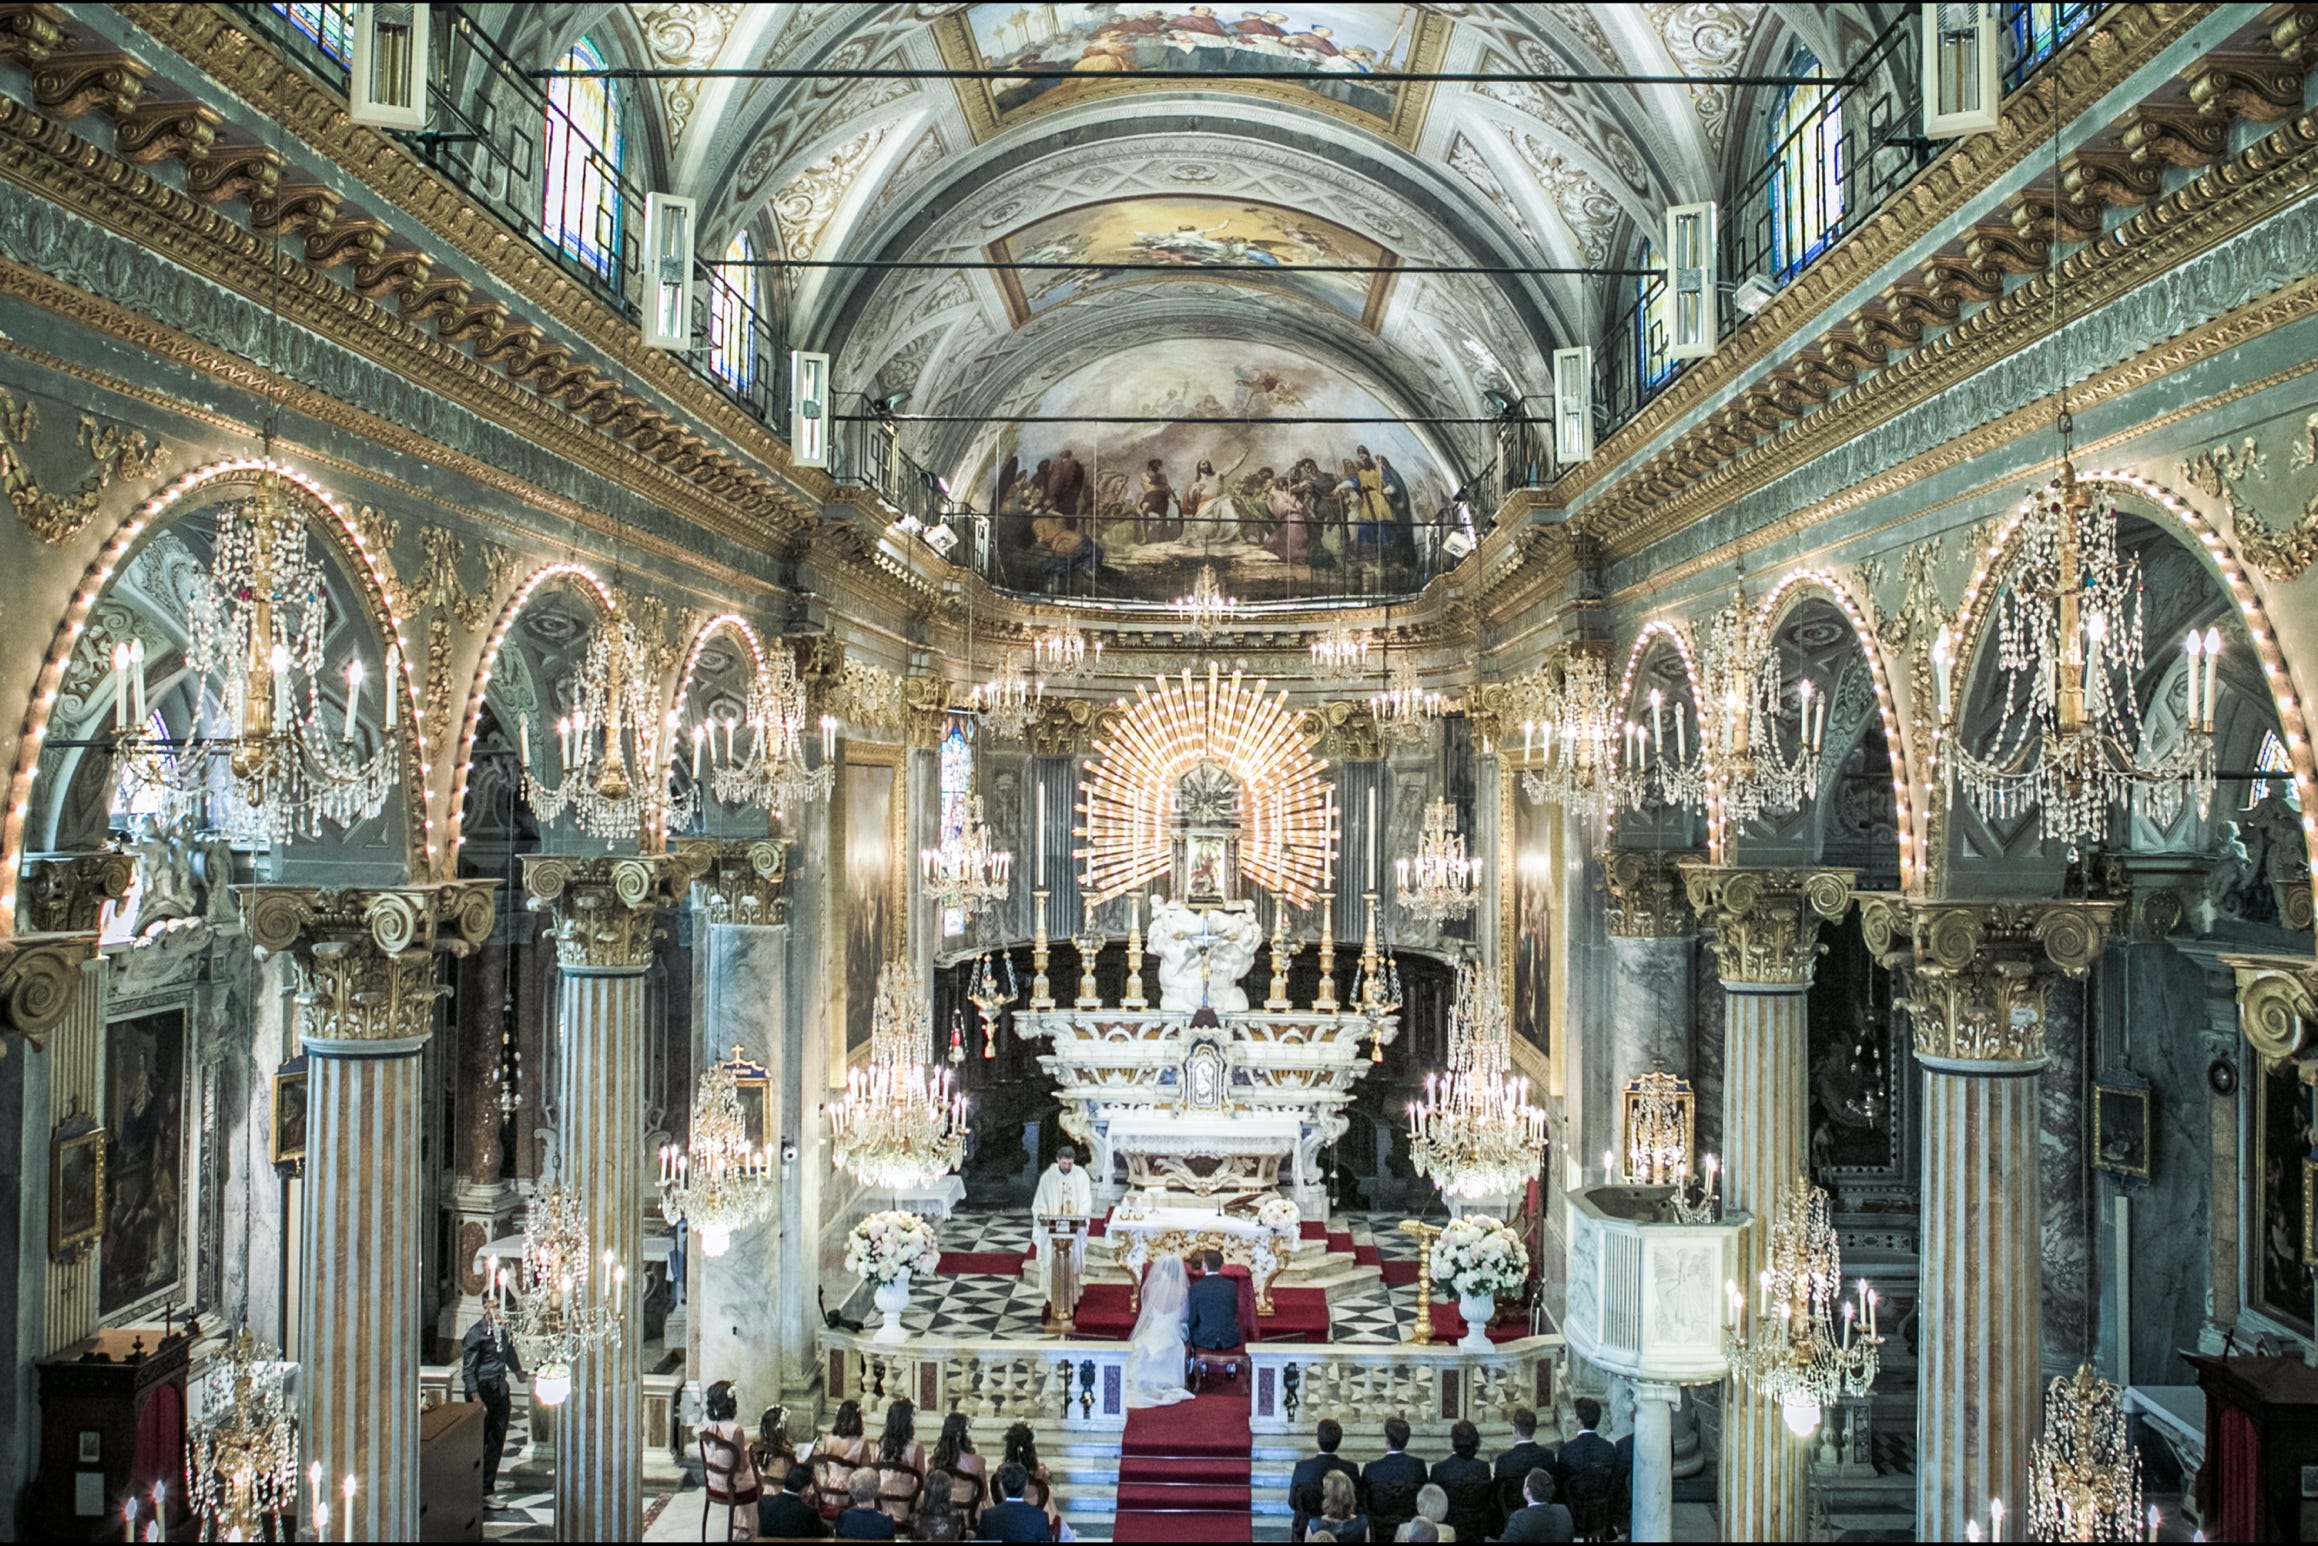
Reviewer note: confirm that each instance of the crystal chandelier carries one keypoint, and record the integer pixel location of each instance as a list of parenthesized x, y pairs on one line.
[(1205, 610), (562, 1304), (718, 1180), (1793, 1352), (2071, 743), (610, 730), (965, 873), (1647, 775), (1404, 711), (1062, 651), (1742, 683), (1566, 749), (1439, 884), (241, 1453), (1340, 655), (772, 774), (1011, 700), (255, 628), (898, 1126), (2084, 1481), (1475, 1134), (1660, 1110)]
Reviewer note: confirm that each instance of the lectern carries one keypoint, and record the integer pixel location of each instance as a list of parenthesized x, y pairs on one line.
[(1066, 1246)]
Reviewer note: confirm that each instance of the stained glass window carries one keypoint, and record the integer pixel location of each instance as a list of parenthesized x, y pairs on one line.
[(2272, 758), (957, 790), (2037, 30), (582, 214), (732, 308), (1651, 321), (332, 26), (1807, 175)]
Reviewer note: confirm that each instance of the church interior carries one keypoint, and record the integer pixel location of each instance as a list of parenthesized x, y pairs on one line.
[(1046, 771)]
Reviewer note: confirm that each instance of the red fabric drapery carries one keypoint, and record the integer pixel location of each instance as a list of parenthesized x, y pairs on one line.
[(2239, 1456)]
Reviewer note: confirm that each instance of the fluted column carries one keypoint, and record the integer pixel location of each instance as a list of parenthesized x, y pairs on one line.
[(1766, 946), (367, 985), (1975, 980), (603, 917)]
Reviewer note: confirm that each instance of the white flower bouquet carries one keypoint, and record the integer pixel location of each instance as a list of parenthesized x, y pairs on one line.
[(1280, 1215), (1480, 1257), (887, 1246)]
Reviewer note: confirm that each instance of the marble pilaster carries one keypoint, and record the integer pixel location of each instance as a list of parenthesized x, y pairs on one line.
[(1765, 925), (603, 917), (1977, 981), (367, 984), (1651, 929)]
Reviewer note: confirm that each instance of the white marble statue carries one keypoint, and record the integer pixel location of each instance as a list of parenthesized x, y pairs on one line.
[(1231, 940)]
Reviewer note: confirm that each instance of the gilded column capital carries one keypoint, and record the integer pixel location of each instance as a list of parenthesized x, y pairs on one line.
[(1766, 921), (366, 955), (2277, 1003), (67, 893), (604, 912), (39, 974), (1978, 975), (1647, 899), (740, 880)]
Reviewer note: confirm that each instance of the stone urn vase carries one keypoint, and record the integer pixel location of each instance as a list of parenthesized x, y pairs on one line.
[(892, 1298), (1477, 1310)]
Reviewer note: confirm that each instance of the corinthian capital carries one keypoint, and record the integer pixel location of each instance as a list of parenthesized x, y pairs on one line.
[(604, 912), (366, 955), (1766, 921), (67, 893), (740, 880), (2277, 1003), (1977, 976), (1646, 897), (39, 974)]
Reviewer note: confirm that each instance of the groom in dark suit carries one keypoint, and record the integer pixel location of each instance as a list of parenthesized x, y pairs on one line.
[(1213, 1309)]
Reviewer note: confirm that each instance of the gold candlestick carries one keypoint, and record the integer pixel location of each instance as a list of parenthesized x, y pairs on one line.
[(1089, 946), (1041, 993), (1426, 1234), (1133, 998), (1371, 960), (1277, 1000), (1324, 996)]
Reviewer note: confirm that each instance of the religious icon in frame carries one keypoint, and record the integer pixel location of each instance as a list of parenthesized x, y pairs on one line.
[(289, 1127), (76, 1188), (2121, 1127)]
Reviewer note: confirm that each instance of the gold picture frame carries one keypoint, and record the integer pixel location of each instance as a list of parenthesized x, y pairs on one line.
[(2310, 1210), (76, 1188), (289, 1114), (857, 943), (1541, 1065), (2123, 1136)]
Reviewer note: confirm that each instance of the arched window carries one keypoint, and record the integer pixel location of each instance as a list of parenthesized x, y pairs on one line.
[(1807, 171), (1652, 322), (732, 311), (582, 214), (2272, 758)]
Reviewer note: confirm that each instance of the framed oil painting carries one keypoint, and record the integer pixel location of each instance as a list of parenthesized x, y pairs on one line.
[(868, 884), (2278, 1278), (2122, 1136), (1525, 913), (145, 1160), (290, 1114), (76, 1188)]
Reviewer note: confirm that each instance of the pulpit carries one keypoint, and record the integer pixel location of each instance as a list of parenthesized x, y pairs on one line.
[(1066, 1249), (2261, 1447)]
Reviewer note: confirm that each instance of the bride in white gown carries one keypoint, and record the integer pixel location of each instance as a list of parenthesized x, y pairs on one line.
[(1155, 1357)]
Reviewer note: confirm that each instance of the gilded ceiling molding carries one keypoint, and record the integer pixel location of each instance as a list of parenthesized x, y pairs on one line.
[(1978, 976), (113, 452)]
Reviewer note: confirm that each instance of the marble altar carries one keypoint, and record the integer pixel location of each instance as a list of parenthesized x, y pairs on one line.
[(1141, 1231)]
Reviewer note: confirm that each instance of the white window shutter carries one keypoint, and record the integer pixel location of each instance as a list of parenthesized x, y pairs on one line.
[(1963, 49), (1573, 406), (1691, 314), (808, 408), (668, 273), (387, 82)]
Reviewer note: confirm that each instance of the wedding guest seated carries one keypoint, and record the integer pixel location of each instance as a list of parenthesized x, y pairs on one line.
[(864, 1520), (1542, 1519), (1390, 1484), (774, 1451), (936, 1520), (1011, 1519), (1432, 1514), (837, 1454), (954, 1452), (727, 1474), (1588, 1467), (1037, 1491), (901, 1462), (1471, 1491), (1304, 1481), (1422, 1529), (1340, 1517), (791, 1513)]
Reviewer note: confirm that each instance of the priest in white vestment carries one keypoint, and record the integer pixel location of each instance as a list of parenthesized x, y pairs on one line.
[(1065, 1188)]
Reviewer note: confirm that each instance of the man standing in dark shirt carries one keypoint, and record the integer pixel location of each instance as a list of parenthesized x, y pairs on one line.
[(487, 1353), (1310, 1469)]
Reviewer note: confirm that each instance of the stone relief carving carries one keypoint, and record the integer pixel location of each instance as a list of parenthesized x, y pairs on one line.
[(2274, 552), (1707, 40), (679, 36), (868, 698), (804, 206), (114, 454)]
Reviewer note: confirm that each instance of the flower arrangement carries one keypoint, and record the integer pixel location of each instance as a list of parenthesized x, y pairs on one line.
[(1480, 1257), (1280, 1215), (886, 1246)]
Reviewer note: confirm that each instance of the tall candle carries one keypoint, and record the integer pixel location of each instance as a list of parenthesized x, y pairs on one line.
[(137, 681), (1328, 847), (1040, 839), (1375, 880), (353, 694), (2212, 663)]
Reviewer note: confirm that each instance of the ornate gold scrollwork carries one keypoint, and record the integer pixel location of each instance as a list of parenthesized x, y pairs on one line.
[(1766, 921), (604, 912), (1978, 976), (2277, 1003)]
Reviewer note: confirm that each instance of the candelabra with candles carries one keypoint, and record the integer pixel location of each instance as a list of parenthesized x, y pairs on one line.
[(898, 1125), (1647, 774), (610, 730), (1438, 883), (241, 1452), (1404, 710), (771, 773), (1660, 1111), (718, 1180), (2084, 1479), (1568, 739), (1743, 683), (1010, 701), (1340, 655), (1706, 1207), (2071, 743), (562, 1303), (964, 872), (1205, 610), (255, 627), (1794, 1351), (1061, 651), (1475, 1134)]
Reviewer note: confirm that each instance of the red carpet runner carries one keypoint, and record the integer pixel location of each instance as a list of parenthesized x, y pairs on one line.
[(1183, 1472)]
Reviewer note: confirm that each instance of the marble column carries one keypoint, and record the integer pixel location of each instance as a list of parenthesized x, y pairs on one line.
[(1765, 926), (367, 986), (741, 932), (1653, 1485), (1975, 980), (603, 914), (1651, 927)]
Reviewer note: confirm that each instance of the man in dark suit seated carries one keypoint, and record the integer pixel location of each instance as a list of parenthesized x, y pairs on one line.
[(1388, 1486), (789, 1514), (1013, 1519), (1542, 1519), (1213, 1310), (1309, 1471), (1589, 1468), (1464, 1476)]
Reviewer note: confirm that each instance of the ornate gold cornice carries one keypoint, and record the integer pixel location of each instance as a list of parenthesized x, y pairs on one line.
[(603, 913), (366, 956), (2277, 1003), (744, 881), (1766, 921), (67, 893), (39, 974), (1647, 895), (1979, 975)]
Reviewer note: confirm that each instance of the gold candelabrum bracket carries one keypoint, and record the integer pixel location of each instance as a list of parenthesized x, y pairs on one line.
[(1426, 1234), (1277, 1000), (1371, 958), (1090, 945), (1133, 998), (1041, 991), (1324, 996)]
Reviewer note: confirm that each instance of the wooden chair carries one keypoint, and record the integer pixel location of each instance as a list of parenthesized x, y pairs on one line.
[(719, 1459)]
